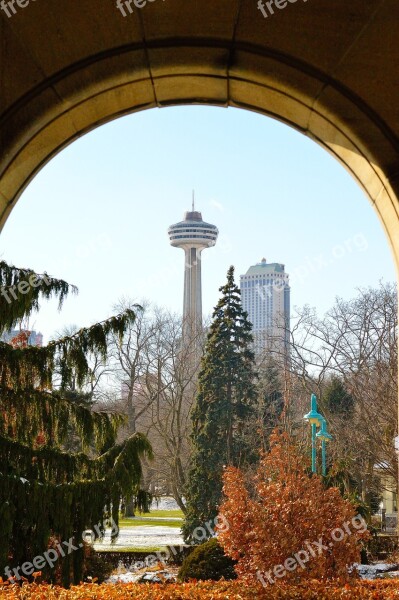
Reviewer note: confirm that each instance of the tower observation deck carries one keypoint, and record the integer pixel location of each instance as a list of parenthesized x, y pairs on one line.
[(193, 235)]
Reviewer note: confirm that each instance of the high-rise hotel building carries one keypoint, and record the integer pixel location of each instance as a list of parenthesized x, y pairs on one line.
[(265, 296)]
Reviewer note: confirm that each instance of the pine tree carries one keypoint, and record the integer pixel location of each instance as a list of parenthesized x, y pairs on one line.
[(226, 400), (49, 495), (271, 400), (336, 398)]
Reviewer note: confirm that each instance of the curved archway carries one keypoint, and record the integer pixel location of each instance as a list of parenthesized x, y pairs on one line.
[(66, 71)]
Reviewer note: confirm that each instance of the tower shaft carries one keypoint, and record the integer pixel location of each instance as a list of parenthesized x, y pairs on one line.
[(192, 304)]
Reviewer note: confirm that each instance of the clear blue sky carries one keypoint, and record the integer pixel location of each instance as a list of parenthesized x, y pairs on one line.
[(97, 215)]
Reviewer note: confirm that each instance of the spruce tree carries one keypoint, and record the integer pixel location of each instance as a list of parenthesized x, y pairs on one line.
[(336, 398), (225, 402), (271, 400), (49, 495)]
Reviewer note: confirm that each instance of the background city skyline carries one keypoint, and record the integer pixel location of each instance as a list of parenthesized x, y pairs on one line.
[(97, 215)]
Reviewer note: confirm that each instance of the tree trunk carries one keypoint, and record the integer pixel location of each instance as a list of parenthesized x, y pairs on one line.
[(129, 507)]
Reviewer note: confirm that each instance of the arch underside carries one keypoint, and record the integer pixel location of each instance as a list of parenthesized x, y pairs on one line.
[(295, 87)]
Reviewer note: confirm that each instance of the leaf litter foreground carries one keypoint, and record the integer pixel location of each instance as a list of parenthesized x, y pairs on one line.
[(312, 590)]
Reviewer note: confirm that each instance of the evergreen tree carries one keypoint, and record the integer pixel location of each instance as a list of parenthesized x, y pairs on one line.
[(225, 401), (271, 400), (336, 398), (48, 495)]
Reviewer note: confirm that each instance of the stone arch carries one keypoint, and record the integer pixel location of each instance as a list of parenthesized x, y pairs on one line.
[(66, 69)]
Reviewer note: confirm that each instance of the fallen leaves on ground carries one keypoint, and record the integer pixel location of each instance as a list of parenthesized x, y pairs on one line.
[(208, 590)]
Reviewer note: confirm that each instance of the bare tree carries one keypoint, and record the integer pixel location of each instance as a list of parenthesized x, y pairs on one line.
[(129, 359), (356, 342), (155, 370), (170, 387)]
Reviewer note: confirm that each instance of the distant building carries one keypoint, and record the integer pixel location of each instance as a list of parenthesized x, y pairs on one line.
[(35, 338), (388, 513), (265, 296)]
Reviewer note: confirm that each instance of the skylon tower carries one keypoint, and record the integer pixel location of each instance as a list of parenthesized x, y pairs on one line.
[(193, 235)]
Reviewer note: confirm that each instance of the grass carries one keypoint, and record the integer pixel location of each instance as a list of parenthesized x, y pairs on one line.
[(163, 513), (152, 519), (147, 522)]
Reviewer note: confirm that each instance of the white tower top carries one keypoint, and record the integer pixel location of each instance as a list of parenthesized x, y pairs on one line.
[(193, 232)]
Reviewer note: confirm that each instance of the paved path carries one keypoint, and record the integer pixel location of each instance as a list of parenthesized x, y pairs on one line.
[(143, 536)]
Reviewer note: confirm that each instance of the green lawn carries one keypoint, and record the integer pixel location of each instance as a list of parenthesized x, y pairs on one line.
[(149, 522), (163, 513)]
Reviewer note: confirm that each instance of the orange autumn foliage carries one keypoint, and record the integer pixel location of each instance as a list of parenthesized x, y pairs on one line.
[(40, 439), (289, 527), (21, 339), (206, 590)]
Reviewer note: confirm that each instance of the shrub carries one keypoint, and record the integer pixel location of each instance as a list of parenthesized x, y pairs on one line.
[(96, 566), (207, 561), (290, 526)]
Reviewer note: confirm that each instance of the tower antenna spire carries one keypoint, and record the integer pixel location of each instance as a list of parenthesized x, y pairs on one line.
[(193, 200)]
